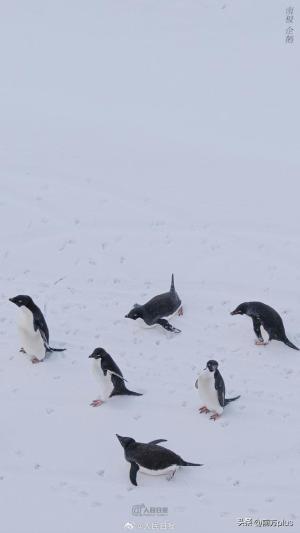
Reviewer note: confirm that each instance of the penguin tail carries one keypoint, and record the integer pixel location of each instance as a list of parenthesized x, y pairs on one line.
[(228, 400), (290, 344), (49, 349), (185, 463), (131, 392), (172, 288)]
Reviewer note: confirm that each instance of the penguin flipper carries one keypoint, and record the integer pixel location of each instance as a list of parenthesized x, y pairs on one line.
[(256, 326), (38, 325), (220, 388), (166, 325), (134, 468), (157, 441), (111, 372)]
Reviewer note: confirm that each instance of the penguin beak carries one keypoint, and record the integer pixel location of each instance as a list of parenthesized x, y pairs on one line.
[(233, 313), (121, 439), (126, 316), (91, 356)]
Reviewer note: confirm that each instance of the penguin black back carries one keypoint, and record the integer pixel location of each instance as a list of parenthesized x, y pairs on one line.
[(108, 365), (150, 456), (39, 321), (264, 315), (160, 306)]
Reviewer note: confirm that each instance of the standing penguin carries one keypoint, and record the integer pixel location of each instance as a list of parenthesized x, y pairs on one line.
[(109, 376), (266, 316), (151, 458), (33, 329), (153, 312), (211, 388)]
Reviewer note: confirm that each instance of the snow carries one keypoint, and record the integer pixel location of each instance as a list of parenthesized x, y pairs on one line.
[(140, 139)]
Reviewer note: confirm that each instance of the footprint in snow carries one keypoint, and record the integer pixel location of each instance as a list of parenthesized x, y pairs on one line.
[(96, 504), (83, 493)]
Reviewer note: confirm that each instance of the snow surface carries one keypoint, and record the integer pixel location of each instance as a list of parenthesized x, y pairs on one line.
[(137, 139)]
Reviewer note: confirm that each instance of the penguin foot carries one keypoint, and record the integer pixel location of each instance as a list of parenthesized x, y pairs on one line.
[(261, 342), (35, 360), (180, 311), (171, 475), (96, 403), (203, 409), (214, 417)]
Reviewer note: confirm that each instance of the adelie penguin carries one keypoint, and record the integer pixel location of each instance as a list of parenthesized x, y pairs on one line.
[(211, 388), (153, 312), (109, 377), (33, 329), (266, 316), (150, 458)]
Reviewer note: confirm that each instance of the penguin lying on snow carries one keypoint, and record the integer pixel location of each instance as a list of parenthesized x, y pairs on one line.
[(109, 376), (151, 458), (266, 316), (211, 388), (33, 329), (152, 313)]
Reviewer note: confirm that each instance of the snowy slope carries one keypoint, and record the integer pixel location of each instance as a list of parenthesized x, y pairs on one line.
[(139, 139)]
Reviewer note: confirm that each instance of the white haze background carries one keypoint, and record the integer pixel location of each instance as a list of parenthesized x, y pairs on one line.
[(137, 139)]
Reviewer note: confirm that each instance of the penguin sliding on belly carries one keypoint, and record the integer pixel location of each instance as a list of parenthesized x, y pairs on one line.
[(153, 312), (266, 316), (33, 329), (211, 388), (151, 458), (109, 377)]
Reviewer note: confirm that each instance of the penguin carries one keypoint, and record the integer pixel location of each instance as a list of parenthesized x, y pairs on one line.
[(266, 316), (211, 388), (109, 376), (33, 329), (153, 312), (150, 458)]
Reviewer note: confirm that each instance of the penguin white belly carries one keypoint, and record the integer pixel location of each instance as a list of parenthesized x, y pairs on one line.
[(161, 472), (106, 385), (208, 393), (143, 324), (31, 340)]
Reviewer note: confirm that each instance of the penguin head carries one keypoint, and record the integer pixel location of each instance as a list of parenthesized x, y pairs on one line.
[(125, 441), (240, 310), (212, 365), (22, 300), (135, 313), (98, 353)]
